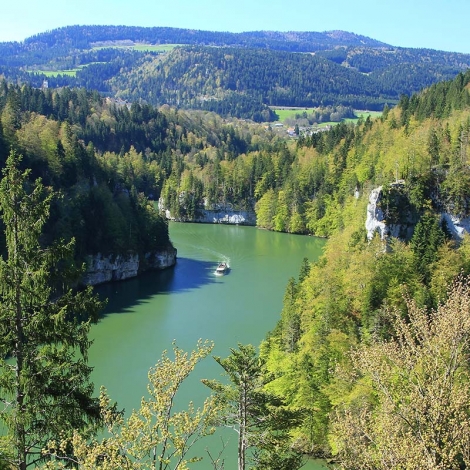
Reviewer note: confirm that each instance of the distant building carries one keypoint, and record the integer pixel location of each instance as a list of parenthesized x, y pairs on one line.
[(45, 84)]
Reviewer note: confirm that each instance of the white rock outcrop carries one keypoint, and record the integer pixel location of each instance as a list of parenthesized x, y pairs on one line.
[(232, 217), (101, 269), (458, 227), (375, 221)]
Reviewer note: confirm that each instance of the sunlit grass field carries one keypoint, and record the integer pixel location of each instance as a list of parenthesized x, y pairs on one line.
[(289, 113), (141, 47), (54, 73)]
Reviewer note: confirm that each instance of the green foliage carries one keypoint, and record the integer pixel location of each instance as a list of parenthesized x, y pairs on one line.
[(45, 385), (154, 436), (427, 238), (261, 419), (101, 203), (409, 403), (344, 300)]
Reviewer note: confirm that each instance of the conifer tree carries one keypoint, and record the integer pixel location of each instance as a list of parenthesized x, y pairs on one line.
[(44, 384), (260, 418)]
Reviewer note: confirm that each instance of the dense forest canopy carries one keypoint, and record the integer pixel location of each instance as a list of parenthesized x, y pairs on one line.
[(98, 205), (359, 327)]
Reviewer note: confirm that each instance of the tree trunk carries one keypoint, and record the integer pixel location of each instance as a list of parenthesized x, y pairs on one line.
[(19, 353), (242, 434)]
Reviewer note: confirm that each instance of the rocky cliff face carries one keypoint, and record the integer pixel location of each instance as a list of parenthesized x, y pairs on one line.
[(390, 213), (101, 269), (403, 224), (375, 221), (221, 217), (458, 227)]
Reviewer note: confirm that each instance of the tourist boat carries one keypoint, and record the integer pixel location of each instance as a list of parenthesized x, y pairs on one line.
[(222, 268)]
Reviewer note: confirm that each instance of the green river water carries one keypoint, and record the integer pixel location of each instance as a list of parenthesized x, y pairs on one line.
[(188, 302)]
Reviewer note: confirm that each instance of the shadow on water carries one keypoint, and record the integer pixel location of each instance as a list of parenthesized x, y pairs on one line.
[(186, 275)]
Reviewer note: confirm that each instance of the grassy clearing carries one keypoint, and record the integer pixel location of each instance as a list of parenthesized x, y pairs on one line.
[(157, 47), (141, 47), (365, 114), (54, 73), (70, 72), (289, 113)]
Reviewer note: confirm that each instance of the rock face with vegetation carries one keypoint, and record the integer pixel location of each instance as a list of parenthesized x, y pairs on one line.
[(219, 216), (389, 213), (375, 217)]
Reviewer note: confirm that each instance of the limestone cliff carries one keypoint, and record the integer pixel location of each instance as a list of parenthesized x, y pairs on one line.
[(390, 213), (375, 221), (101, 269), (395, 218), (220, 216), (457, 226)]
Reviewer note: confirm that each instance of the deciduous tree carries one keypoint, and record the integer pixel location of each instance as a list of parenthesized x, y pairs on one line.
[(410, 404), (155, 436)]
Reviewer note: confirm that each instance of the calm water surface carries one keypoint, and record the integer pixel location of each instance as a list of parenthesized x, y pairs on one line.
[(189, 302)]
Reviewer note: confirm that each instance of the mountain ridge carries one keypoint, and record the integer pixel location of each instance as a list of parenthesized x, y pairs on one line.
[(222, 72)]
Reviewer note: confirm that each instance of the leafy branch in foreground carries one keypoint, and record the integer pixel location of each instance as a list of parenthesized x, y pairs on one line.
[(156, 435)]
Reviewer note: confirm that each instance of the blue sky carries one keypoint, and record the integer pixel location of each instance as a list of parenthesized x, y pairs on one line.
[(435, 24)]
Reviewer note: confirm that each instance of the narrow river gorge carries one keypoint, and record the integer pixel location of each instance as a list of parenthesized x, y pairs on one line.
[(188, 302)]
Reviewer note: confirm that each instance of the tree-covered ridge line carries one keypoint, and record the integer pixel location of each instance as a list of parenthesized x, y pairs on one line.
[(243, 82), (83, 37), (201, 77), (256, 70)]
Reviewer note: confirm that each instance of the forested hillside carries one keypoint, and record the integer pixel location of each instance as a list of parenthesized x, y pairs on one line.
[(111, 161), (358, 343), (209, 77), (378, 377), (232, 74), (102, 202)]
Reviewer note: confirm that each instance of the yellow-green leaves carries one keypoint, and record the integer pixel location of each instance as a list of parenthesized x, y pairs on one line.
[(415, 413), (157, 435)]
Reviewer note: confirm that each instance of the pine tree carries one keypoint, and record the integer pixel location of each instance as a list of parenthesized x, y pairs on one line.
[(44, 385), (260, 418)]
